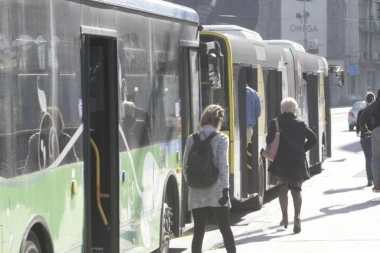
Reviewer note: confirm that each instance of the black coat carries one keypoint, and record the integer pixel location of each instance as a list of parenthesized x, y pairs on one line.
[(368, 124), (290, 161)]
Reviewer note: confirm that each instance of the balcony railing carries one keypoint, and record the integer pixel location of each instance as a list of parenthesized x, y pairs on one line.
[(369, 26)]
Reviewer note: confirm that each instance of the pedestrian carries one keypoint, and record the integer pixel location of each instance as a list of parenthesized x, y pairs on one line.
[(372, 113), (290, 164), (253, 109), (365, 140), (215, 197)]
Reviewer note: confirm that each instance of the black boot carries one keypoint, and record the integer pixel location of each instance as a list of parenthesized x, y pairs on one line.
[(297, 201), (284, 205)]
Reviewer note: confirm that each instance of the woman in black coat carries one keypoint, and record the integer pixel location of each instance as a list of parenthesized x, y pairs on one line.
[(290, 163)]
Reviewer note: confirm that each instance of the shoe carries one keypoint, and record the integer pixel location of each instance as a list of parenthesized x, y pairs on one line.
[(376, 189), (370, 182), (284, 221), (297, 225)]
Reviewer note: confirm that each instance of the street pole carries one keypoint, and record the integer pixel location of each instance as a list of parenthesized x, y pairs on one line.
[(304, 23)]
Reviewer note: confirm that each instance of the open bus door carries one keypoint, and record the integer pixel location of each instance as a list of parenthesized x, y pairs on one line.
[(100, 137), (312, 90), (335, 77), (253, 177), (190, 108), (191, 103)]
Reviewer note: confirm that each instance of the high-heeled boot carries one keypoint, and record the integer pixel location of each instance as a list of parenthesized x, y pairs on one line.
[(297, 225), (284, 221), (283, 198), (297, 201)]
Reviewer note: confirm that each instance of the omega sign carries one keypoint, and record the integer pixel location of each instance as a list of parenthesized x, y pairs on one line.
[(300, 28)]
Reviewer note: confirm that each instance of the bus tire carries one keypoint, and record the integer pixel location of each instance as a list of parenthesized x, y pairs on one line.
[(317, 169), (258, 200), (166, 223), (32, 244)]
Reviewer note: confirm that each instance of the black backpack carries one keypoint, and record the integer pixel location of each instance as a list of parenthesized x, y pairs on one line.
[(201, 171)]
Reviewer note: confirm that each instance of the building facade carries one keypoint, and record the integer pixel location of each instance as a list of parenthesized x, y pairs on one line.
[(346, 32)]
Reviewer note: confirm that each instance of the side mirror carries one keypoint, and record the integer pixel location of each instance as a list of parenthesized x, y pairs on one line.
[(340, 80), (338, 72), (212, 65)]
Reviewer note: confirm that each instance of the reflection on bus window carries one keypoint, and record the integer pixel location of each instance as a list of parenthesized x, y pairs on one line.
[(135, 121), (46, 145), (135, 92), (166, 108)]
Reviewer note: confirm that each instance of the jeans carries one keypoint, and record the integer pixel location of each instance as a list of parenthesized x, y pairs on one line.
[(376, 156), (222, 217), (365, 141), (249, 134)]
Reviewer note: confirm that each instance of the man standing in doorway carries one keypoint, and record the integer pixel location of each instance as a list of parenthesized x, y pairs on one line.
[(373, 112), (253, 109)]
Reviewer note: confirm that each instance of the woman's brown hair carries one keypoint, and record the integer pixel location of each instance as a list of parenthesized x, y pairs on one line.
[(212, 115)]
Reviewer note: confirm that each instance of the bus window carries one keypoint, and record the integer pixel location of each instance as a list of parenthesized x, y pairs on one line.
[(213, 89), (166, 105), (135, 91)]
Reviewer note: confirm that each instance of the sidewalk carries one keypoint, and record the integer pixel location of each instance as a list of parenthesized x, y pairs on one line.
[(339, 214)]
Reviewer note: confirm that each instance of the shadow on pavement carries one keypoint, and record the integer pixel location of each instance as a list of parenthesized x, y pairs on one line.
[(327, 211), (352, 208), (344, 190), (264, 237), (179, 250), (238, 216), (352, 147), (336, 161)]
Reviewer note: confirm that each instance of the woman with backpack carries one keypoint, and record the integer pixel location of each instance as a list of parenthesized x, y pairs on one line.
[(290, 164), (212, 194)]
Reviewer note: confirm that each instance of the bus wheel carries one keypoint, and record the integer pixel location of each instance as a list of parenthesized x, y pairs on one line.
[(165, 229), (259, 198), (32, 244), (324, 153)]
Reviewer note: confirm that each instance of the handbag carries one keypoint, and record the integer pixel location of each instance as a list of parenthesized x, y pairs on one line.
[(270, 151)]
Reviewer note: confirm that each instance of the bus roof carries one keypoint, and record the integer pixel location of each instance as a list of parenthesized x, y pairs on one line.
[(162, 8), (288, 43), (310, 62), (234, 30)]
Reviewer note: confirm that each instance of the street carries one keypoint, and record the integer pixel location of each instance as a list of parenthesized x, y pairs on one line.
[(339, 213)]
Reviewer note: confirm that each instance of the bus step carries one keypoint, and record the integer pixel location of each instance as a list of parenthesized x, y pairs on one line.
[(97, 250)]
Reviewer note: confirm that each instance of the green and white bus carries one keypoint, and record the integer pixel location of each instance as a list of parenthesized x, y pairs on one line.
[(96, 99)]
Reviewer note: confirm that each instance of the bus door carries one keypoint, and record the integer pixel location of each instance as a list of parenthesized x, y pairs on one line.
[(312, 91), (190, 107), (328, 115), (248, 136), (100, 137), (274, 94)]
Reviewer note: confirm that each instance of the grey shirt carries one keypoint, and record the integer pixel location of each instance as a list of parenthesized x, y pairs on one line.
[(209, 197)]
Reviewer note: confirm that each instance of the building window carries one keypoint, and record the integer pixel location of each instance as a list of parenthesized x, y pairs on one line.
[(362, 10)]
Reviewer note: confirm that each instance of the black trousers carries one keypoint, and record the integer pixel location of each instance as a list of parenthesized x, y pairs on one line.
[(222, 217)]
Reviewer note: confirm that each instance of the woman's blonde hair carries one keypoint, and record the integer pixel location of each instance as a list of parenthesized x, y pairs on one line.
[(289, 105), (212, 115)]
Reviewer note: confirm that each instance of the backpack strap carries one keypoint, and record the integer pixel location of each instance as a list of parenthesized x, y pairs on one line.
[(195, 137), (209, 138)]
